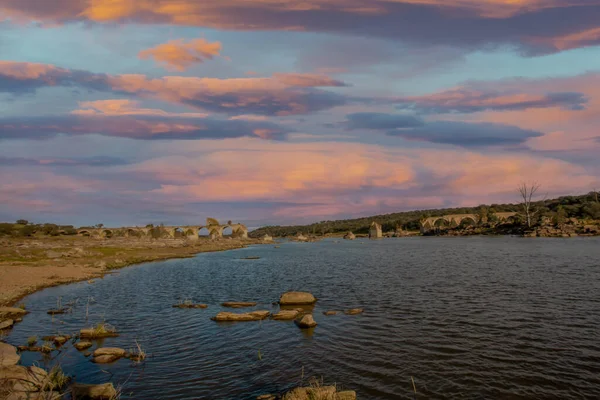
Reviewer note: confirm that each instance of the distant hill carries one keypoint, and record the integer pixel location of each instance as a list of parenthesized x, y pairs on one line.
[(583, 207)]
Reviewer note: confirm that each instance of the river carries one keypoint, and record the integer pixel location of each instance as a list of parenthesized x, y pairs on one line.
[(466, 318)]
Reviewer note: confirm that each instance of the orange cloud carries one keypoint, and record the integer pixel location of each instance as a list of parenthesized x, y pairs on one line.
[(179, 55), (126, 107), (587, 37)]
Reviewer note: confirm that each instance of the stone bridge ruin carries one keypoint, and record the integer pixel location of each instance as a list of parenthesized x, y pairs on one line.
[(192, 232), (455, 220)]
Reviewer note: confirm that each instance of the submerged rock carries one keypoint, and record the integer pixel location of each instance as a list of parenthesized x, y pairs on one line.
[(93, 392), (250, 316), (286, 315), (354, 311), (8, 355), (188, 305), (60, 340), (238, 304), (306, 322), (82, 345), (58, 311), (297, 298), (328, 313)]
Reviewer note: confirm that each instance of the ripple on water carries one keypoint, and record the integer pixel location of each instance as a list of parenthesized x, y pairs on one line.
[(466, 318)]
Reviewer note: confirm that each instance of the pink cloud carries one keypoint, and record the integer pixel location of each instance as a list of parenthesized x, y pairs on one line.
[(116, 107), (179, 55)]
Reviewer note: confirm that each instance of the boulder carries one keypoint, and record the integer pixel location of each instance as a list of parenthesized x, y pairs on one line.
[(297, 298), (82, 391), (328, 313), (286, 315), (8, 355), (250, 316), (82, 345), (349, 236), (306, 322), (6, 324), (354, 311), (50, 395), (238, 304), (23, 379)]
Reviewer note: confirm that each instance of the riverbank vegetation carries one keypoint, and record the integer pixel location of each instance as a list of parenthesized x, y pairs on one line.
[(559, 210)]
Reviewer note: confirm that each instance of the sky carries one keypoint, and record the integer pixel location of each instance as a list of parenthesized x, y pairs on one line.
[(129, 112)]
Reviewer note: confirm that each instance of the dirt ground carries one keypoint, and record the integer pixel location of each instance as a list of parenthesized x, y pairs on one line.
[(30, 264)]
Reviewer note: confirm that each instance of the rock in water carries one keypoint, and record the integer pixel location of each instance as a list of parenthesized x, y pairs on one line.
[(8, 355), (346, 395), (349, 236), (306, 322), (238, 304), (354, 311), (11, 312), (94, 392), (284, 315), (251, 316), (82, 345), (109, 351), (328, 313), (297, 298), (107, 359)]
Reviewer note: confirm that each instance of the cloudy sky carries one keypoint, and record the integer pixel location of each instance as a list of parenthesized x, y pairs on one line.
[(286, 111)]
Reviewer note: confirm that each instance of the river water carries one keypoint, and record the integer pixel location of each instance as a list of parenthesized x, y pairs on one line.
[(466, 318)]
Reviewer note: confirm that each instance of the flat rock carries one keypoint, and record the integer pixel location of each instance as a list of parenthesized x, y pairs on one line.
[(107, 359), (109, 351), (184, 305), (8, 355), (297, 298), (283, 315), (238, 304), (93, 392), (6, 324), (22, 379), (92, 334), (82, 345), (329, 313), (11, 312), (354, 311), (306, 322), (60, 340), (250, 316)]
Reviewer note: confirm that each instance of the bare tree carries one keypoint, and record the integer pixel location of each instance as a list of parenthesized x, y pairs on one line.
[(527, 192)]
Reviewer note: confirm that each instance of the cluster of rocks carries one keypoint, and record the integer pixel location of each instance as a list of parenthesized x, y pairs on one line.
[(312, 393), (10, 316), (571, 228)]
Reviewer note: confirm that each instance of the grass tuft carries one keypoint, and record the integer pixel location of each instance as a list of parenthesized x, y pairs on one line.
[(31, 341)]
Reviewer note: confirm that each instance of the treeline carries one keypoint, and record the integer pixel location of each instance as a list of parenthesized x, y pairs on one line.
[(581, 207), (23, 228)]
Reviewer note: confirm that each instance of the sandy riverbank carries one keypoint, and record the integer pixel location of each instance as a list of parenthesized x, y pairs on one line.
[(31, 264)]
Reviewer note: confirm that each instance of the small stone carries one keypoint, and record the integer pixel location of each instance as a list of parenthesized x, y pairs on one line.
[(60, 340), (82, 345), (354, 311), (328, 313), (107, 359), (86, 353), (306, 322), (266, 397)]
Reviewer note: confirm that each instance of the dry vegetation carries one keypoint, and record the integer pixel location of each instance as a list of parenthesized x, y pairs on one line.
[(31, 263)]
